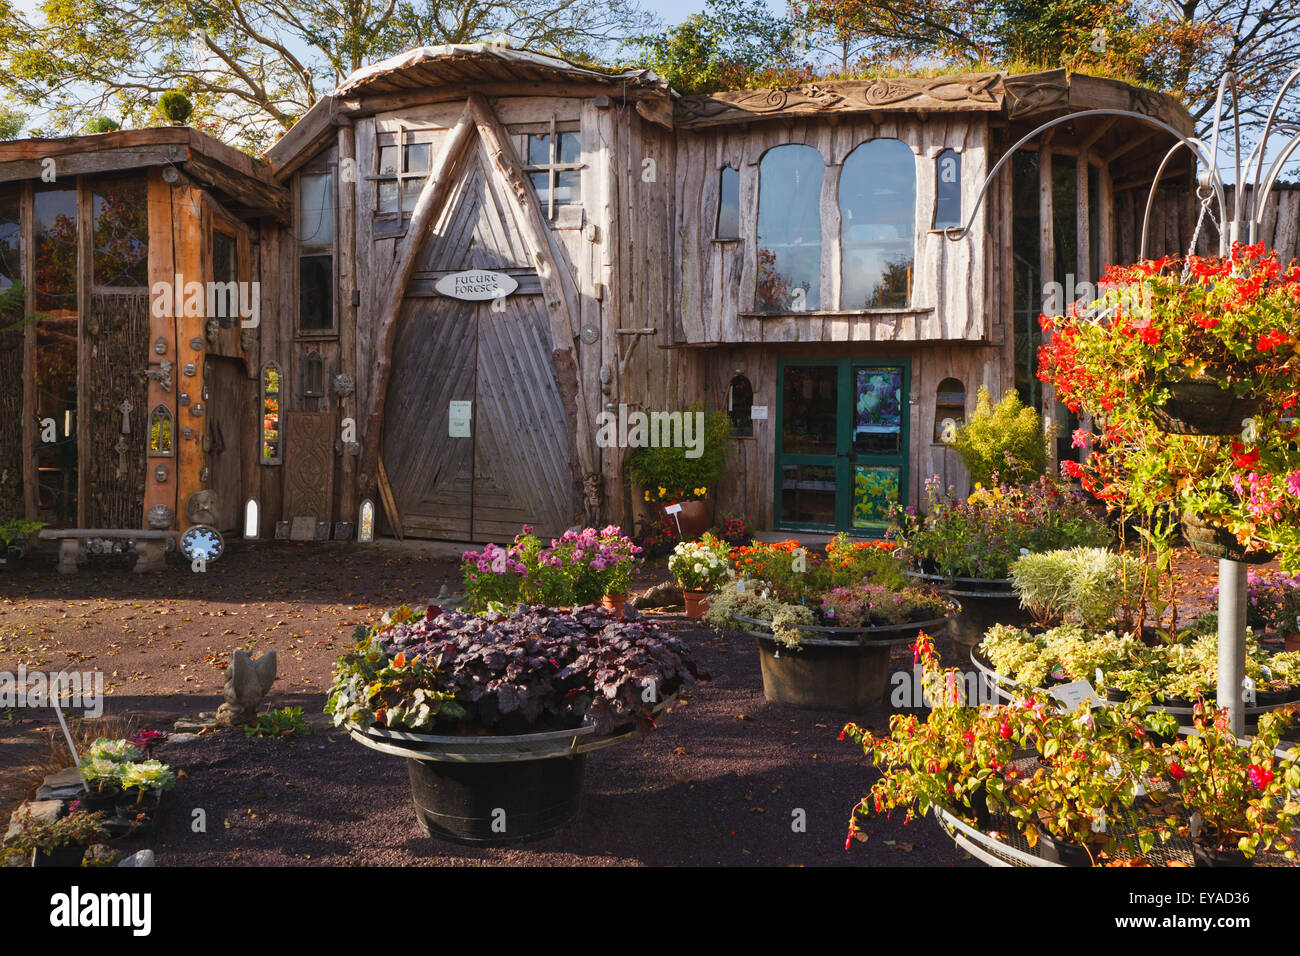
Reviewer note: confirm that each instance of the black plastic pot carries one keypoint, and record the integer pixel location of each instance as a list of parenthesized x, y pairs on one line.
[(106, 804), (62, 856), (10, 559), (1116, 696), (825, 675), (496, 804), (1066, 854), (1209, 856), (1201, 407)]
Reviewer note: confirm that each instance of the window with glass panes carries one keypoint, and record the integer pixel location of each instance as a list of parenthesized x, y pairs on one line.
[(404, 160), (553, 161)]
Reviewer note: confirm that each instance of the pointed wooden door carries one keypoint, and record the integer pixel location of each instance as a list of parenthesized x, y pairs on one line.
[(511, 466)]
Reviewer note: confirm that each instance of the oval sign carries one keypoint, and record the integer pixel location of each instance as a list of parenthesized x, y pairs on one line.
[(477, 285)]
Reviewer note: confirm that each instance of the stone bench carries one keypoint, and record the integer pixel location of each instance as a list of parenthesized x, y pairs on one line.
[(150, 546)]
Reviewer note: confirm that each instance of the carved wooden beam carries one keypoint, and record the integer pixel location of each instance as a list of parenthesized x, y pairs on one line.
[(428, 207)]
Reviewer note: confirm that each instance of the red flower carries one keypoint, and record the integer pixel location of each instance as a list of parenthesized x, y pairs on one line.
[(1259, 777), (1005, 730), (1270, 341), (1072, 468), (1176, 771), (1203, 322)]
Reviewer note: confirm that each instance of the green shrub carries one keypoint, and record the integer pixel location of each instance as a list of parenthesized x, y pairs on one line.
[(1006, 440), (1091, 586), (175, 107)]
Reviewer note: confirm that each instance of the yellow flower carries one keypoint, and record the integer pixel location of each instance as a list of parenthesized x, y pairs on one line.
[(663, 490), (647, 496)]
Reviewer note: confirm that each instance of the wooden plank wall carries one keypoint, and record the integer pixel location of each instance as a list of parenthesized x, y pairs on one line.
[(1173, 220), (11, 415), (715, 280)]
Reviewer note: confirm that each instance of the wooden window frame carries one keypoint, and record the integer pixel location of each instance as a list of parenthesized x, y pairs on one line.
[(404, 136), (92, 188), (553, 167), (307, 250)]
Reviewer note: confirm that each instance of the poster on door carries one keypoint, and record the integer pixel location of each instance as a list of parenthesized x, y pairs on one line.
[(458, 418)]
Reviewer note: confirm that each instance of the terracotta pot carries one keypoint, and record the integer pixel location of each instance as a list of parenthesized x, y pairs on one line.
[(615, 602), (697, 602), (1293, 642), (695, 518), (1200, 407)]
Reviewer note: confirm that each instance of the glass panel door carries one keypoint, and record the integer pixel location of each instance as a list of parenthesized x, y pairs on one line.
[(841, 456)]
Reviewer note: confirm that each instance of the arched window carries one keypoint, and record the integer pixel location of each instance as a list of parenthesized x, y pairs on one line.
[(947, 189), (949, 410), (251, 519), (272, 448), (877, 225), (740, 402), (789, 229), (366, 522), (162, 432), (728, 224), (313, 378)]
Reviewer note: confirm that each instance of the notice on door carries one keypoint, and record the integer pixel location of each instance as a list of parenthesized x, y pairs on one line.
[(458, 419), (478, 285)]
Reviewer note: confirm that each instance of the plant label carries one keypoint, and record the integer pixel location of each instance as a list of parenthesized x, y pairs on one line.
[(758, 413), (1073, 694), (672, 509), (458, 419)]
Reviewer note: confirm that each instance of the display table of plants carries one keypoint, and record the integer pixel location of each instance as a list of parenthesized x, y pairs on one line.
[(967, 546), (494, 713), (825, 624), (1035, 783)]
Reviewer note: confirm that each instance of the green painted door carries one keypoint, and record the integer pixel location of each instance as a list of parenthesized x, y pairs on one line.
[(842, 439)]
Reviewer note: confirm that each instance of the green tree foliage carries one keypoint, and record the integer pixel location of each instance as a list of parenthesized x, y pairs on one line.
[(731, 44), (103, 124), (175, 108), (252, 67), (11, 124), (1006, 440)]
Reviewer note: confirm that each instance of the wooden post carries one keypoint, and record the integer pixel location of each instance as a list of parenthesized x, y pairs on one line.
[(427, 209), (30, 431), (347, 186), (1046, 267)]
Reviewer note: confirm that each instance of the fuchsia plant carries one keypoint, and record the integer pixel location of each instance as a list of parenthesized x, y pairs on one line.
[(577, 568)]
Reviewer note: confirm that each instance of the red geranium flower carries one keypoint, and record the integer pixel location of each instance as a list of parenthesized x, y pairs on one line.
[(1259, 777)]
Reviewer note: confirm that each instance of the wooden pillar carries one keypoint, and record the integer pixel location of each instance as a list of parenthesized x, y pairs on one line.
[(85, 272), (31, 434), (1083, 225), (1047, 270), (1106, 210), (161, 270), (348, 284), (188, 239)]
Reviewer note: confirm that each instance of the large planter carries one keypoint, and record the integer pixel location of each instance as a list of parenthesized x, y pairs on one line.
[(696, 603), (495, 790), (60, 856), (695, 518), (1062, 853), (984, 602), (834, 668), (496, 804), (1213, 541), (1200, 407)]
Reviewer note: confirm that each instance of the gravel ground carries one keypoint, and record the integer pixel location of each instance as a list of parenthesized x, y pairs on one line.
[(718, 784)]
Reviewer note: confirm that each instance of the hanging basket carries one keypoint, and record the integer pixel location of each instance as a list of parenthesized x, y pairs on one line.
[(1214, 541), (1199, 406)]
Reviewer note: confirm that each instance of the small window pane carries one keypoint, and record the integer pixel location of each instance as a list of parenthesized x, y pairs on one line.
[(539, 149), (316, 209), (316, 291), (224, 271), (789, 229), (121, 221), (10, 241), (271, 414), (740, 404), (410, 193), (55, 233), (570, 148), (417, 157), (568, 189), (388, 197), (542, 185), (947, 189), (388, 161), (729, 204), (877, 223), (160, 431)]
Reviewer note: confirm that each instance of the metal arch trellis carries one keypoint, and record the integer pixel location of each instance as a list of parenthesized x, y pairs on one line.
[(1239, 226)]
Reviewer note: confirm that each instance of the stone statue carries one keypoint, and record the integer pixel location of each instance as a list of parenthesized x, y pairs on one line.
[(247, 682)]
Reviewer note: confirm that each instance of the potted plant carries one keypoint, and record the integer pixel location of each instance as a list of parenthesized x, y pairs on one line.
[(824, 625), (495, 713), (616, 557), (1004, 443), (1094, 587), (677, 474), (148, 778), (1236, 800), (62, 842), (968, 546), (16, 539), (698, 567)]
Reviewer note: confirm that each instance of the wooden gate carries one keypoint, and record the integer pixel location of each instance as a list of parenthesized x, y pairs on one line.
[(513, 467), (229, 390)]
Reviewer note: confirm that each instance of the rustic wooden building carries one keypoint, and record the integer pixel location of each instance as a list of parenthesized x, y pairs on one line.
[(467, 254), (128, 387)]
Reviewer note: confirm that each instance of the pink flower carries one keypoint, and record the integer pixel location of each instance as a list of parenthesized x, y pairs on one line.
[(1259, 777), (1081, 438)]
